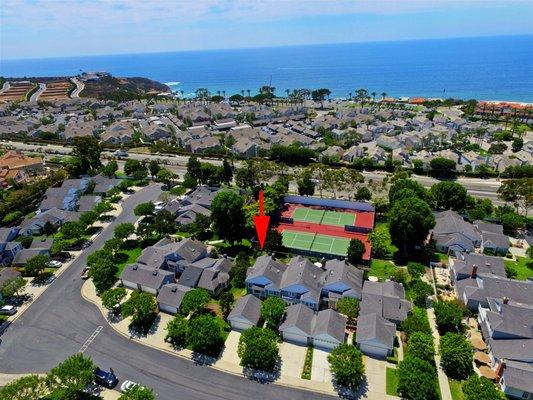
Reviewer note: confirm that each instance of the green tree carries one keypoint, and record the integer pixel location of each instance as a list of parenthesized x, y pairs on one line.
[(511, 222), (416, 321), (124, 230), (448, 195), (135, 169), (349, 306), (137, 393), (28, 387), (306, 186), (380, 241), (110, 169), (103, 207), (420, 291), (141, 307), (320, 95), (112, 297), (193, 167), (272, 310), (72, 230), (346, 363), (363, 193), (200, 227), (258, 349), (194, 301), (416, 270), (177, 330), (403, 188), (70, 377), (144, 209), (103, 274), (87, 151), (226, 301), (35, 265), (88, 218), (228, 216), (517, 144), (273, 241), (421, 345), (166, 177), (12, 287), (441, 166), (480, 388), (456, 355), (356, 250), (205, 335), (410, 220), (154, 168), (448, 315), (242, 263), (417, 379)]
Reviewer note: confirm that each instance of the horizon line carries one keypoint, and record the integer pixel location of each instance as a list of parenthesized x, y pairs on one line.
[(269, 47)]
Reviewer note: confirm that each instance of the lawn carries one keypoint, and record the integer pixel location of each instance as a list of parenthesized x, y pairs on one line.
[(238, 292), (382, 269), (455, 389), (520, 266), (384, 227), (128, 256), (392, 381)]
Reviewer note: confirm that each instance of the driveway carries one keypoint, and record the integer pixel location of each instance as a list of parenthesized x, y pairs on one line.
[(229, 356), (375, 371), (320, 370), (292, 359)]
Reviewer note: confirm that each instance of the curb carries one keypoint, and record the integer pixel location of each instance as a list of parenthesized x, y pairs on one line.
[(189, 358)]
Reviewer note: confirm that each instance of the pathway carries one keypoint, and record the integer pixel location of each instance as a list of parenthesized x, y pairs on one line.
[(443, 379), (79, 87), (35, 96)]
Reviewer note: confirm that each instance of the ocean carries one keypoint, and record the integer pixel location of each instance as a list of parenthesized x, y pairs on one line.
[(489, 68)]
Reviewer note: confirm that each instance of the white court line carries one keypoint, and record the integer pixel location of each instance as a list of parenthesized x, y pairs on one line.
[(90, 339)]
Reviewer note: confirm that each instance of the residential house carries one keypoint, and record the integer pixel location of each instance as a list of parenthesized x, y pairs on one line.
[(145, 279), (375, 335), (466, 265), (37, 248), (492, 238), (387, 299), (325, 329), (246, 313), (7, 274), (8, 247), (353, 153), (453, 233), (341, 280), (263, 279), (54, 216), (170, 297)]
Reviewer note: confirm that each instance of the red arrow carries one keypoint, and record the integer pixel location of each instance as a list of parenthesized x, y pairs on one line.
[(261, 222)]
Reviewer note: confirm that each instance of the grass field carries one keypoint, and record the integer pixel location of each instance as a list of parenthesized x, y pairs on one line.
[(316, 242), (128, 256), (324, 217), (382, 269), (520, 267), (392, 381), (456, 390)]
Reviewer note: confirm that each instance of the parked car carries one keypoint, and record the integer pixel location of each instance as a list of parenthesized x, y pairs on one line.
[(54, 263), (50, 279), (121, 153), (107, 379), (8, 310), (127, 385), (159, 205), (85, 273)]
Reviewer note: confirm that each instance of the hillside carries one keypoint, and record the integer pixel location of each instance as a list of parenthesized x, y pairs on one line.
[(109, 87)]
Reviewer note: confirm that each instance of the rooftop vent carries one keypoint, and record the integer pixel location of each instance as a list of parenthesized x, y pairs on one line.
[(154, 273), (174, 289), (134, 267)]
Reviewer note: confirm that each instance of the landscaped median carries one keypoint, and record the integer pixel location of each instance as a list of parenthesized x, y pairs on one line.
[(156, 339)]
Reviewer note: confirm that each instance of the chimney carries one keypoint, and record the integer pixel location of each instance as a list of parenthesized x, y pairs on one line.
[(154, 273), (505, 300), (473, 274), (499, 369)]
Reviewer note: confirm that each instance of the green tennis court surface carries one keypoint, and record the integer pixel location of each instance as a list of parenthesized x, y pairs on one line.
[(316, 242), (324, 217)]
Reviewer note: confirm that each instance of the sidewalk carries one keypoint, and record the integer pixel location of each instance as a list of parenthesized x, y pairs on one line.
[(225, 363), (443, 379)]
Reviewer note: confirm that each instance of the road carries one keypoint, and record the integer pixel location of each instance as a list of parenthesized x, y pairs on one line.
[(481, 188), (35, 96), (60, 322), (79, 87), (5, 86)]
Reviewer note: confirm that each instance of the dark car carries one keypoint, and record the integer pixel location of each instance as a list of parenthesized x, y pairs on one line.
[(105, 378)]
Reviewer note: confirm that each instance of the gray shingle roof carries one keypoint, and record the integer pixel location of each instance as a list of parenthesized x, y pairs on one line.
[(519, 375), (330, 322), (190, 276), (299, 316), (146, 276), (385, 298), (485, 265), (247, 307), (486, 285), (268, 267), (341, 271), (372, 327), (172, 294)]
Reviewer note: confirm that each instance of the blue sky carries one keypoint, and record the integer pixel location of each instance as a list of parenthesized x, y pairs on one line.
[(50, 28)]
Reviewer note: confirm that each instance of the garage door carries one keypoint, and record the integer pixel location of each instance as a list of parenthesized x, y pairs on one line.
[(373, 350), (240, 326), (295, 338), (324, 344), (168, 309)]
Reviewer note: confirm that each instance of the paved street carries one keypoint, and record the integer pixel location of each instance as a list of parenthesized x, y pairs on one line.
[(59, 323), (477, 187)]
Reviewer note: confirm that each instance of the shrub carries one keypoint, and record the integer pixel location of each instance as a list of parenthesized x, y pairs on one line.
[(417, 379), (421, 345), (448, 315), (258, 349), (416, 321), (456, 355), (346, 362)]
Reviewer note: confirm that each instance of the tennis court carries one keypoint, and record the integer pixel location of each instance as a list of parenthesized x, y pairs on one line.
[(316, 242), (324, 217)]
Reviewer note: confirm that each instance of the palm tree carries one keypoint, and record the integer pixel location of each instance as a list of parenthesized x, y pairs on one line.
[(288, 91), (224, 94), (383, 95), (350, 95), (242, 93), (373, 97), (248, 91)]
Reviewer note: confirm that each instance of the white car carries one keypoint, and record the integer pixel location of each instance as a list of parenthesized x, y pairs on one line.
[(54, 263), (158, 206), (127, 385), (8, 310)]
